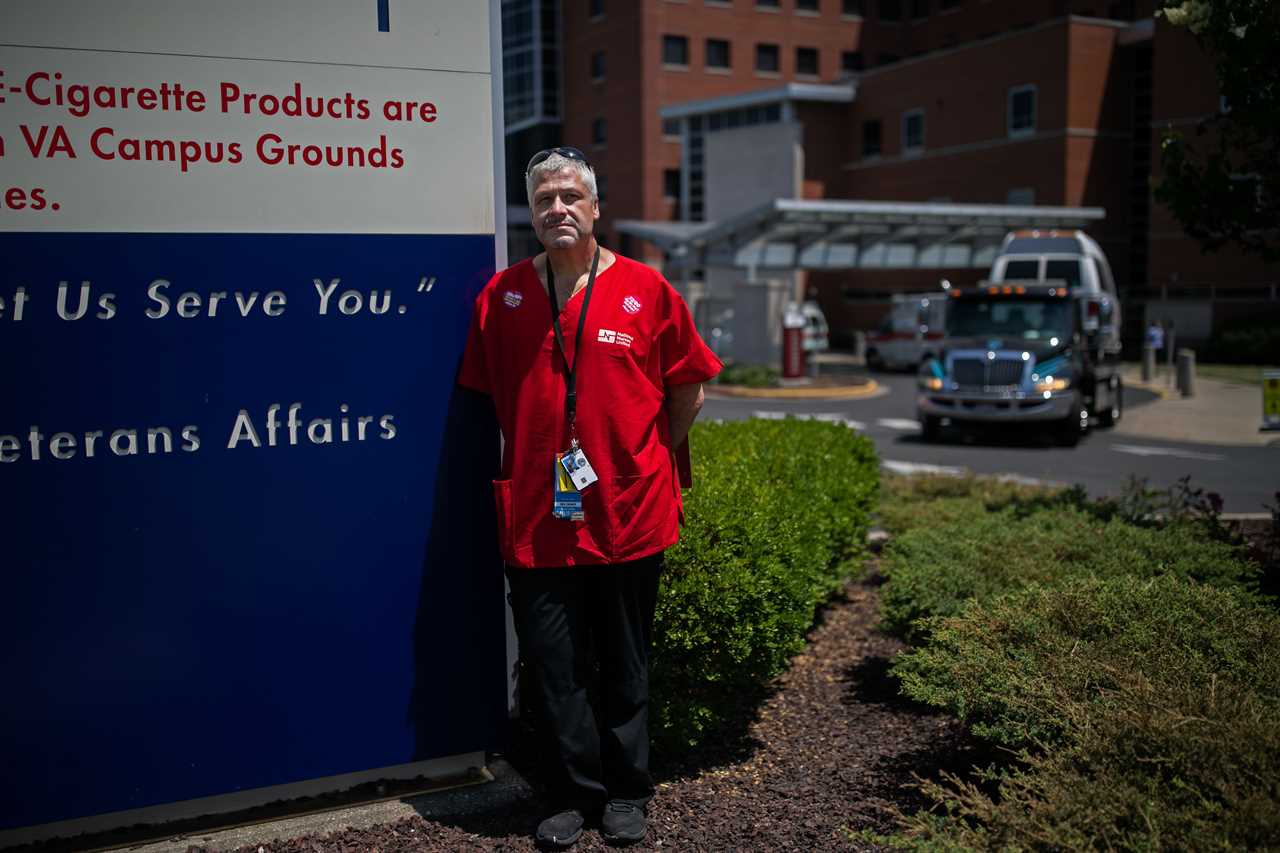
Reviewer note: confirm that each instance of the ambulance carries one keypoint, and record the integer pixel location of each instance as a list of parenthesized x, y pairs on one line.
[(911, 334), (1037, 344)]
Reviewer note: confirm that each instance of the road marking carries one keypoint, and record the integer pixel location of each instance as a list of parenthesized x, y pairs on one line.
[(1143, 450), (825, 417), (1019, 480), (898, 466), (902, 424)]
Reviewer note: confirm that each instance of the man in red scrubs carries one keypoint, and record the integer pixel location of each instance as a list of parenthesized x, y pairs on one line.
[(596, 372)]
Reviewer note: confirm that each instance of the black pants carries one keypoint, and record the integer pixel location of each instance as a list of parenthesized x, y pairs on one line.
[(568, 620)]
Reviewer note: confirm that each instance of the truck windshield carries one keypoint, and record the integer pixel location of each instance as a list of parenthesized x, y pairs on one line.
[(1025, 319), (1068, 271)]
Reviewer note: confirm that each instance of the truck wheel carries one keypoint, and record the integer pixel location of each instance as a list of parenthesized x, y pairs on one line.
[(930, 428), (1067, 432), (1115, 407)]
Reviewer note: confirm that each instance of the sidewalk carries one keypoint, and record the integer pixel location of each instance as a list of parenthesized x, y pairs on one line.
[(1219, 413)]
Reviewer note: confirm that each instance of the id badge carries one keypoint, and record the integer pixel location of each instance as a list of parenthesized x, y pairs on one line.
[(580, 471), (566, 500)]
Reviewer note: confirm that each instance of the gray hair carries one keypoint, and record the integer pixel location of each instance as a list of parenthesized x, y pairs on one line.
[(556, 163)]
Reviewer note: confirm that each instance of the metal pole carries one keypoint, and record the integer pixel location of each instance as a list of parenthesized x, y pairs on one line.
[(1187, 372), (1148, 362)]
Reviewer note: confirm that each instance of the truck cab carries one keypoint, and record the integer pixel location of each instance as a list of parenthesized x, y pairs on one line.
[(1070, 257), (1026, 349)]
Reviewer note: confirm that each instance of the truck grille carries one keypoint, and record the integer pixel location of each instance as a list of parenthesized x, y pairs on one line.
[(981, 373), (970, 372)]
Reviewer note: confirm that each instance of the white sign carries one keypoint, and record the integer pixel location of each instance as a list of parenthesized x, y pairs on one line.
[(288, 128)]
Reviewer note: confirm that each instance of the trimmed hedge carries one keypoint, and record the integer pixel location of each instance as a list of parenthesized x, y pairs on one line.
[(749, 375), (920, 500), (1146, 712), (775, 523), (935, 570)]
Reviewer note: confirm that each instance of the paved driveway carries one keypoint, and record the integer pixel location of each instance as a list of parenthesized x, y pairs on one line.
[(1246, 477)]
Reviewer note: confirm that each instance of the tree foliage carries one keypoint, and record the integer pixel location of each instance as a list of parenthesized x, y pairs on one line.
[(1222, 183)]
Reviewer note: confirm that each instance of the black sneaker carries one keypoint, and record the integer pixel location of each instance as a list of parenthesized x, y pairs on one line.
[(623, 822), (561, 829)]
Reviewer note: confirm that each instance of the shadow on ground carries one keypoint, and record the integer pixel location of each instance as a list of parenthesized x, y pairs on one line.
[(871, 681)]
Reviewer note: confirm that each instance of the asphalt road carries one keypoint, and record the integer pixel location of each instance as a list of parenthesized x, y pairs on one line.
[(1246, 477)]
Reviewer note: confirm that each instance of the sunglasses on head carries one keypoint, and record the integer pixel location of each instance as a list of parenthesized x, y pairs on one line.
[(563, 150)]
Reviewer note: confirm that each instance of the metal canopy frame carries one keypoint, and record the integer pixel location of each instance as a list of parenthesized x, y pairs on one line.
[(790, 234)]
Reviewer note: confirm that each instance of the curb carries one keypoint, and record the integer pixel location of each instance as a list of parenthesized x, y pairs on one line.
[(870, 388), (1161, 390), (504, 789)]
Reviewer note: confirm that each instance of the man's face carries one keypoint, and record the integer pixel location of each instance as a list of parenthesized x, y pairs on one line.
[(563, 211)]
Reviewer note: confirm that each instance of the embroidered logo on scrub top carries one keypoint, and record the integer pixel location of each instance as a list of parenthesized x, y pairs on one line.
[(513, 298), (609, 336), (631, 305)]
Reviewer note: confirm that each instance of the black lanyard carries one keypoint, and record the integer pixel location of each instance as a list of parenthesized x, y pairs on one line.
[(571, 370)]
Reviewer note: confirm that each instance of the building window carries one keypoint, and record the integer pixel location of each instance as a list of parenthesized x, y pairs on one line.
[(671, 127), (671, 184), (1021, 196), (767, 4), (717, 53), (890, 10), (807, 61), (596, 8), (767, 57), (871, 138), (912, 131), (853, 8), (1022, 110), (806, 5), (919, 9), (598, 135), (597, 65), (675, 51), (602, 187), (851, 60)]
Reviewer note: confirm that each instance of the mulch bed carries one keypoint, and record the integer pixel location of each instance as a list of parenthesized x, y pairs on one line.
[(830, 748)]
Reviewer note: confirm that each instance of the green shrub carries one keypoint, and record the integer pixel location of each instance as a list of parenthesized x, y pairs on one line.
[(750, 375), (1146, 713), (934, 570), (1255, 340), (922, 500), (775, 523)]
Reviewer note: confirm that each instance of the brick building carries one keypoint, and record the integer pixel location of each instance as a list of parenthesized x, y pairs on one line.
[(995, 102)]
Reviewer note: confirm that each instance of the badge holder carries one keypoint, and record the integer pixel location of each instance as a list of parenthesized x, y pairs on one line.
[(566, 499), (572, 472)]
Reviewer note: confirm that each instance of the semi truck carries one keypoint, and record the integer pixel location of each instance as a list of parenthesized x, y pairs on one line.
[(1037, 344)]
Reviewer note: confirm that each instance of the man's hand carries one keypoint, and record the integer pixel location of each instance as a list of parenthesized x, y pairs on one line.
[(683, 404)]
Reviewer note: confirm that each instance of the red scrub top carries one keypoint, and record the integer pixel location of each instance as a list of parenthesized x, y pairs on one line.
[(638, 339)]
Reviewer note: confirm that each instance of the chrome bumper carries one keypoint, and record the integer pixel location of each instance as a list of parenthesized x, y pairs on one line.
[(991, 408)]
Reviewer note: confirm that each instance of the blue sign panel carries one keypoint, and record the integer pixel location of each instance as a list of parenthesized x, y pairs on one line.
[(239, 549), (247, 534)]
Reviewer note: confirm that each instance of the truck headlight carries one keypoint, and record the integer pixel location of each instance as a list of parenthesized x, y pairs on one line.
[(1053, 383), (931, 383)]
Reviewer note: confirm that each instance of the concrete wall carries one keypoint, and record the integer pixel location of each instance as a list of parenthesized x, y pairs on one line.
[(748, 166)]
